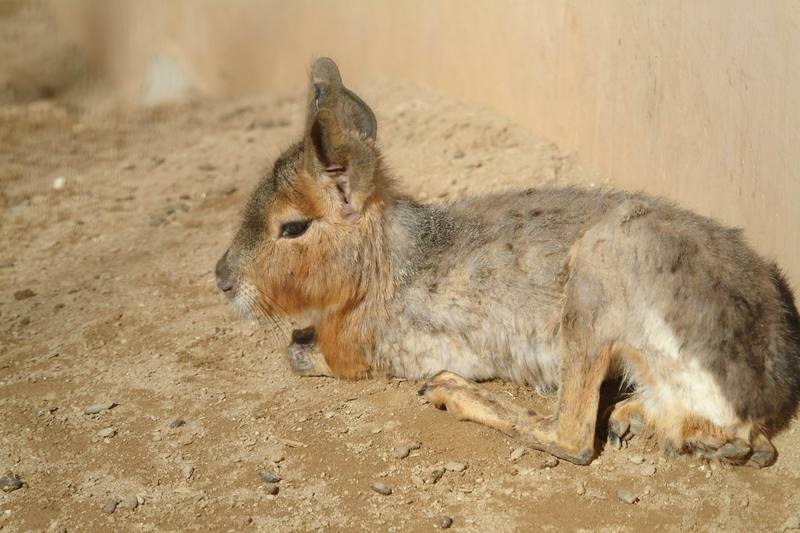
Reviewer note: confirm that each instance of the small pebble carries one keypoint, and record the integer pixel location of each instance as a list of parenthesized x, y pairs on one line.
[(98, 408), (107, 433), (517, 454), (401, 452), (110, 506), (178, 422), (271, 489), (10, 482), (380, 488), (580, 490), (444, 522), (792, 523), (550, 462), (268, 477), (458, 154), (636, 459), (455, 467), (648, 470), (627, 496), (434, 476), (59, 182), (187, 471), (24, 294), (130, 502)]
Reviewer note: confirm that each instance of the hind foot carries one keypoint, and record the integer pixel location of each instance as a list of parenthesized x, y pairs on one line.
[(625, 421), (466, 400), (764, 453), (712, 444)]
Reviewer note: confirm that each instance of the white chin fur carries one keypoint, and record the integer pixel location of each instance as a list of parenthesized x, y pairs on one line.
[(243, 303)]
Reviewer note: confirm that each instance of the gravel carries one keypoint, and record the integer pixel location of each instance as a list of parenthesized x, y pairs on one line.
[(380, 488), (549, 462), (110, 506), (401, 452), (107, 433), (648, 470), (130, 502), (99, 408), (24, 294), (517, 454), (455, 467), (10, 482), (268, 477), (434, 476), (627, 497)]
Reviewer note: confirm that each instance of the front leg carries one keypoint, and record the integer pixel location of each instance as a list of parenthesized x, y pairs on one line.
[(304, 357)]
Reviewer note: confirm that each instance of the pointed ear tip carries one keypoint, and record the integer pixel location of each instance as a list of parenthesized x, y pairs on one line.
[(324, 69)]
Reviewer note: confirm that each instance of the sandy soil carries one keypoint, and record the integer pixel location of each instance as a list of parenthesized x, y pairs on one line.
[(112, 219)]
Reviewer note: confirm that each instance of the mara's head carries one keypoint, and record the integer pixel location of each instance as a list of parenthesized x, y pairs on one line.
[(304, 240)]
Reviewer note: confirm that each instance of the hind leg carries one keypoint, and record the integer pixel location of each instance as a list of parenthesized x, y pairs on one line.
[(569, 434)]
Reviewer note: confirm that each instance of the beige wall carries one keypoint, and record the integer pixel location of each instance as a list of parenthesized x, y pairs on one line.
[(698, 100)]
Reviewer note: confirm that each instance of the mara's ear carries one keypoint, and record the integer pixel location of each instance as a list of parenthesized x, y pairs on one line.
[(340, 162), (328, 92)]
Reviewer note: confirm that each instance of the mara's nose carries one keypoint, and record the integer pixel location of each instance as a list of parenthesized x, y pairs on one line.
[(224, 274)]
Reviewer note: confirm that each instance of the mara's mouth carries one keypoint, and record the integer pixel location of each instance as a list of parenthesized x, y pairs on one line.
[(242, 298)]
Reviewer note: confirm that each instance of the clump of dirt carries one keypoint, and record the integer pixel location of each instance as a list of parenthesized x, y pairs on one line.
[(131, 398)]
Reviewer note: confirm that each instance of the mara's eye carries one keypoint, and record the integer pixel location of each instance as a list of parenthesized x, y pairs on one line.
[(293, 229)]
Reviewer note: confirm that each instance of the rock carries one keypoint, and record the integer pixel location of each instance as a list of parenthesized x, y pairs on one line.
[(455, 467), (580, 490), (648, 470), (59, 182), (550, 462), (24, 294), (627, 496), (268, 477), (792, 523), (187, 471), (110, 506), (380, 488), (10, 482), (107, 433), (401, 452), (458, 154), (178, 422), (271, 489), (99, 408), (434, 476), (130, 502), (517, 454), (444, 522), (636, 459)]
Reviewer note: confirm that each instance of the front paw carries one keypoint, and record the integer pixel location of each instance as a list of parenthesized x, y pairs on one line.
[(304, 358)]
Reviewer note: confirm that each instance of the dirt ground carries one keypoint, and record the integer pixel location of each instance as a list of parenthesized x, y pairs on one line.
[(112, 219)]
